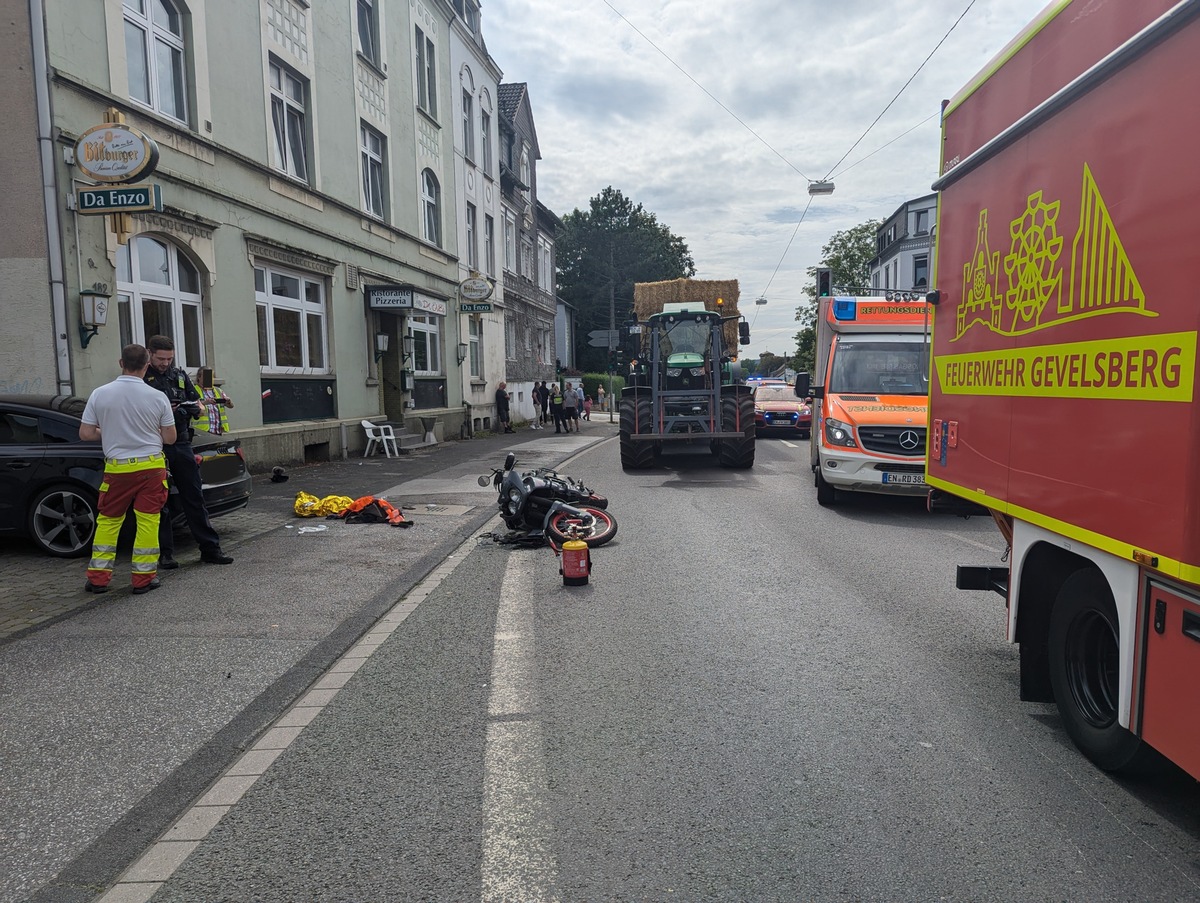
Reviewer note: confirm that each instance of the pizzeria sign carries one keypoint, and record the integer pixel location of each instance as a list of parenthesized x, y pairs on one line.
[(403, 297)]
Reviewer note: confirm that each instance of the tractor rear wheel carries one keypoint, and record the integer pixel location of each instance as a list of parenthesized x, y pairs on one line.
[(737, 412), (636, 419)]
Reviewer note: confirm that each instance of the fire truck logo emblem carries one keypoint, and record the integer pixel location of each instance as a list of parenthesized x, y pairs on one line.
[(1102, 279), (909, 440)]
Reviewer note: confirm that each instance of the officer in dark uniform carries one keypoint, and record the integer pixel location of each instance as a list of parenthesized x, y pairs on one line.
[(181, 460)]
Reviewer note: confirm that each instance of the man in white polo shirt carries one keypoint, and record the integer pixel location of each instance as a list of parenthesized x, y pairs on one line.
[(132, 421)]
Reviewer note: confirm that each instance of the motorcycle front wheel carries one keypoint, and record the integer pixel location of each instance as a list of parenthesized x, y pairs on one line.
[(564, 526)]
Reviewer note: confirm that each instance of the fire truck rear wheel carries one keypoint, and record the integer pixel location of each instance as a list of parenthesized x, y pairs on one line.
[(1084, 649)]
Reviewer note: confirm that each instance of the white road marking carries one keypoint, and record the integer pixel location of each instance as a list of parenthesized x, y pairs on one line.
[(518, 859), (789, 444), (977, 544)]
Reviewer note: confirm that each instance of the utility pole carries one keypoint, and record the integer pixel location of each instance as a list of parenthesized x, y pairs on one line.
[(612, 325)]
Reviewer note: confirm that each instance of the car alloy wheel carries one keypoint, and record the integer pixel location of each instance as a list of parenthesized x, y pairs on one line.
[(62, 521)]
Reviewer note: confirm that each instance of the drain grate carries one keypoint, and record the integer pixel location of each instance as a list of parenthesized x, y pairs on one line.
[(441, 510)]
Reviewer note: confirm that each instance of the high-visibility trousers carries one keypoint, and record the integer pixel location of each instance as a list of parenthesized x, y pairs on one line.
[(142, 484)]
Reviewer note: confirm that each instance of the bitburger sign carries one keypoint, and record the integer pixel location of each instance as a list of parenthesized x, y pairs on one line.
[(114, 152)]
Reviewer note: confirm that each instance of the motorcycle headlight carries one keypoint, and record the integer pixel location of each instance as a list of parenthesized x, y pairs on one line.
[(514, 495), (674, 371), (838, 433)]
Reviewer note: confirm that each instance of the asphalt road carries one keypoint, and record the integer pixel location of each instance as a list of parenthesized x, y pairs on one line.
[(753, 699)]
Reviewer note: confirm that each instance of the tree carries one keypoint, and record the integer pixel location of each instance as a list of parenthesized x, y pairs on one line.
[(848, 254), (609, 247), (769, 364)]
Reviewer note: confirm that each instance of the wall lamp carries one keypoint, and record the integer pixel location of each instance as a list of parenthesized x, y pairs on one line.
[(93, 313), (409, 344), (463, 349), (381, 345)]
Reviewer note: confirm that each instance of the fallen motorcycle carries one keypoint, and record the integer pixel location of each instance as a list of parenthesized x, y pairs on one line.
[(542, 504)]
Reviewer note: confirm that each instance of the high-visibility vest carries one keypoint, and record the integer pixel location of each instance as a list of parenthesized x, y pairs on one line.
[(214, 411)]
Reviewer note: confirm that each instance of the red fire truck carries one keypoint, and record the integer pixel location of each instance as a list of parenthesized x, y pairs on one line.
[(1064, 362)]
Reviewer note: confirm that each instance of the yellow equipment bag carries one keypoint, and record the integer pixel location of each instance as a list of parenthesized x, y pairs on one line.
[(308, 505)]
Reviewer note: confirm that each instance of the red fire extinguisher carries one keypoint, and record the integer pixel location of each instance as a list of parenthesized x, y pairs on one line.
[(576, 563)]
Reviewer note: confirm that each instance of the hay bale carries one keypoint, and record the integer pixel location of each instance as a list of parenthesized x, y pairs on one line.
[(649, 298)]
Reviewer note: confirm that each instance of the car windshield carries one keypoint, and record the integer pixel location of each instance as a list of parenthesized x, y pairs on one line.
[(774, 393), (880, 368)]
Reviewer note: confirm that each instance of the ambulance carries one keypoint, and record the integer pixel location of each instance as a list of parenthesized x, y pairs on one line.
[(1064, 363), (870, 395)]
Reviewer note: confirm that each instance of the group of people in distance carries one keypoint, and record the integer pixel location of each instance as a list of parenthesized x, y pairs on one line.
[(563, 405)]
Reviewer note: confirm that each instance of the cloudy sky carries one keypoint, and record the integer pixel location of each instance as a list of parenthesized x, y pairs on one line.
[(612, 105)]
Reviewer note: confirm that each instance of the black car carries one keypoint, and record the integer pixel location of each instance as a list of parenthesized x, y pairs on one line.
[(50, 478)]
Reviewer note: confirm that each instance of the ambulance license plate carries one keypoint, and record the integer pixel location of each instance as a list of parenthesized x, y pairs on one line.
[(915, 479)]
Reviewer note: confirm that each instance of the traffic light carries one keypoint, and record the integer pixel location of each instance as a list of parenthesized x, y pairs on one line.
[(824, 282), (558, 366)]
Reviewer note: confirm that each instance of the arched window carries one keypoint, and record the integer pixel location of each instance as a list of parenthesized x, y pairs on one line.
[(154, 55), (431, 207), (158, 293)]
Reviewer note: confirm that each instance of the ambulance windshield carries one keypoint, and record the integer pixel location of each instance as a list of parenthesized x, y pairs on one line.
[(880, 368)]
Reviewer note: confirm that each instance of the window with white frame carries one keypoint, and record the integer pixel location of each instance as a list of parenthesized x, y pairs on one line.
[(426, 74), (510, 338), (526, 179), (374, 182), (544, 346), (527, 259), (510, 242), (154, 56), (485, 141), (489, 243), (472, 253), (431, 207), (158, 293), (468, 123), (427, 345), (289, 122), (292, 321), (545, 274), (921, 221), (475, 343), (368, 30), (468, 10)]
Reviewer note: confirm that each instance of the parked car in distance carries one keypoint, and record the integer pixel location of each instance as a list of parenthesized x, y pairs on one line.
[(777, 410), (50, 478)]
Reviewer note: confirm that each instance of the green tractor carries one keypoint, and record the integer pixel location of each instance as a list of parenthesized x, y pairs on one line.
[(686, 388)]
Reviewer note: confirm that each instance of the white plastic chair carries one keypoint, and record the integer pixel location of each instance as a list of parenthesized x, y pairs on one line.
[(382, 434)]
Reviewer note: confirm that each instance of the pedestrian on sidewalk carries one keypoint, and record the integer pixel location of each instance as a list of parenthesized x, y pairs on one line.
[(536, 396), (587, 407), (133, 423), (570, 408), (184, 399), (600, 398), (545, 412), (556, 408), (502, 413)]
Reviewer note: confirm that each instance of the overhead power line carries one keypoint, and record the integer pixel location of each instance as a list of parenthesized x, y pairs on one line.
[(712, 96)]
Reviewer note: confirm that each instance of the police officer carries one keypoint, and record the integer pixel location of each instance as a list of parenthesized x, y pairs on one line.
[(181, 460)]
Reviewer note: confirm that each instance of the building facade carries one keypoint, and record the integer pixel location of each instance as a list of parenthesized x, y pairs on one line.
[(529, 263), (904, 247), (310, 241), (480, 215)]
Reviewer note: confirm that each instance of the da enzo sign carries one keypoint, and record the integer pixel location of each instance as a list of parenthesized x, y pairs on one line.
[(114, 152), (126, 199)]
